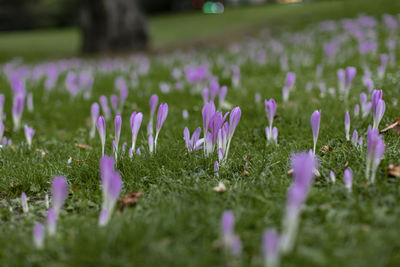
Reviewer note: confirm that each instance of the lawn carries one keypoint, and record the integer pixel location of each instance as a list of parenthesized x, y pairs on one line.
[(176, 221)]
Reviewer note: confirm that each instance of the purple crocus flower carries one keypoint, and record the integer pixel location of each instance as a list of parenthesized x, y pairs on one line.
[(135, 121), (222, 95), (315, 123), (95, 111), (332, 176), (375, 152), (59, 191), (193, 143), (379, 110), (208, 112), (230, 241), (350, 73), (38, 235), (104, 107), (303, 165), (347, 125), (354, 139), (161, 117), (214, 89), (216, 167), (270, 247), (290, 80), (51, 221), (341, 75), (185, 114), (234, 119), (348, 179), (24, 203), (270, 109), (113, 191), (101, 129), (205, 95), (117, 125), (356, 110), (29, 133), (114, 103), (376, 96), (17, 109), (153, 105)]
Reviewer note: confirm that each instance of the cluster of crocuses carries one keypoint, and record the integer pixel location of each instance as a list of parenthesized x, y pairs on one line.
[(135, 123), (217, 132)]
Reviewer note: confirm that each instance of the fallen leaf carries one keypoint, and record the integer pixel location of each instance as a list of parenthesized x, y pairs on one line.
[(245, 173), (87, 147), (346, 165), (43, 153), (395, 126), (394, 170), (325, 149), (290, 172), (220, 188), (130, 199)]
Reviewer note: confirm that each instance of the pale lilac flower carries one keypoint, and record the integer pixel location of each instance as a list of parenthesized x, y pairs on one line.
[(235, 76), (382, 67), (51, 222), (138, 151), (153, 105), (270, 110), (214, 89), (95, 111), (24, 203), (350, 73), (130, 153), (104, 107), (117, 126), (315, 123), (272, 135), (347, 125), (59, 192), (207, 112), (101, 129), (354, 139), (38, 235), (29, 133), (230, 241), (216, 168), (375, 152), (360, 142), (205, 95), (161, 117), (29, 102), (379, 110), (290, 80), (111, 188), (332, 176), (270, 247), (341, 75), (236, 248), (222, 95), (304, 165), (193, 143), (185, 114), (114, 103), (275, 135), (234, 118), (257, 98), (151, 143), (356, 110), (150, 128), (136, 121), (17, 109), (348, 179)]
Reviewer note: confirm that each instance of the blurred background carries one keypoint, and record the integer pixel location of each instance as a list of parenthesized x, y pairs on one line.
[(39, 29)]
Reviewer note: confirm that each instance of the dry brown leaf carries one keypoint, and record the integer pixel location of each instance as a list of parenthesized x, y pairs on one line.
[(245, 173), (87, 147), (394, 170), (325, 149), (42, 152), (346, 165), (315, 172), (130, 199), (394, 126), (220, 188), (290, 172)]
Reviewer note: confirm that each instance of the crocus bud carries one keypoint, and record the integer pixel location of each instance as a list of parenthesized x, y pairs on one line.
[(17, 109), (375, 152), (270, 246), (101, 129), (270, 109), (117, 125), (216, 168), (29, 133), (38, 235), (356, 110), (315, 123), (153, 105), (51, 222), (114, 103), (136, 121), (24, 203), (94, 111), (59, 191), (348, 179), (185, 114), (104, 107), (350, 73), (332, 176), (347, 125), (151, 143), (354, 139), (161, 117), (379, 110)]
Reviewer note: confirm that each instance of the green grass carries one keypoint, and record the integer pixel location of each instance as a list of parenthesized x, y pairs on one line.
[(176, 221)]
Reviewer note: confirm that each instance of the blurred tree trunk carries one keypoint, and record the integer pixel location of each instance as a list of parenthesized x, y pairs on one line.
[(112, 25)]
